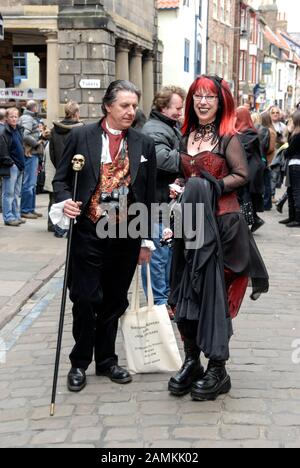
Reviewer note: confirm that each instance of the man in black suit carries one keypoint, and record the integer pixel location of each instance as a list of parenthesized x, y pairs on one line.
[(118, 159)]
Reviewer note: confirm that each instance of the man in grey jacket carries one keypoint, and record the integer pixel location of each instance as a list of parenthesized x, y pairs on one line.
[(31, 133), (164, 127)]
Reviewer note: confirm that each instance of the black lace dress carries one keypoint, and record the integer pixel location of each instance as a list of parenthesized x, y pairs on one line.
[(208, 284)]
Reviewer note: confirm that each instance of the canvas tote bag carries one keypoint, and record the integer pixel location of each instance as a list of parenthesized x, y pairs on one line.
[(149, 339)]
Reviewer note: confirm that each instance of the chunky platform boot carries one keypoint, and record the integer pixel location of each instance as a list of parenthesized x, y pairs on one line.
[(192, 370), (215, 382)]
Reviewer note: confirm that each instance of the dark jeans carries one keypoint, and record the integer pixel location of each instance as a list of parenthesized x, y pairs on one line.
[(295, 188), (28, 198), (101, 274), (268, 190), (0, 194)]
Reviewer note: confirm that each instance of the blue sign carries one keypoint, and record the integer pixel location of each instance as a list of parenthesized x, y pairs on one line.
[(267, 68)]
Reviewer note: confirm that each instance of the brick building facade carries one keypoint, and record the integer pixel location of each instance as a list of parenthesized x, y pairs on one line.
[(221, 38)]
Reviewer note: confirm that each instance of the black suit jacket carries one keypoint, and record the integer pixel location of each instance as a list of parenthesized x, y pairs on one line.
[(87, 141)]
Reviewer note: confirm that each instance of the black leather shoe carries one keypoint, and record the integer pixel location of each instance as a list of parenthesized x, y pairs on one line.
[(76, 379), (215, 382), (116, 374), (285, 221), (293, 224)]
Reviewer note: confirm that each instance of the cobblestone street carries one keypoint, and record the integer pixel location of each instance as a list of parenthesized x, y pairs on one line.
[(262, 410)]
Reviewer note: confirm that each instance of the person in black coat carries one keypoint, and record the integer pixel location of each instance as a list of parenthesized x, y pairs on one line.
[(292, 154), (117, 158), (254, 190), (57, 142)]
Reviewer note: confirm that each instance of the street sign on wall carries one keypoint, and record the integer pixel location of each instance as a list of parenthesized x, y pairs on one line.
[(89, 84)]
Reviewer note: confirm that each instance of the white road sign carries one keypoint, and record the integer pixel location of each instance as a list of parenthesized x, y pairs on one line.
[(90, 84)]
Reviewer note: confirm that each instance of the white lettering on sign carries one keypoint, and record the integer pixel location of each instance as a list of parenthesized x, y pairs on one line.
[(23, 94), (90, 84)]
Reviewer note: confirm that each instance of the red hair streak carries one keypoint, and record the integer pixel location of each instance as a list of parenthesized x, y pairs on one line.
[(243, 120), (226, 113)]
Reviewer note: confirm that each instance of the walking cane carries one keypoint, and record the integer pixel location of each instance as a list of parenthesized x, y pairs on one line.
[(78, 163)]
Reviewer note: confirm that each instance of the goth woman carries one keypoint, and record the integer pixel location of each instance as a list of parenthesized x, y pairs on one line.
[(211, 271)]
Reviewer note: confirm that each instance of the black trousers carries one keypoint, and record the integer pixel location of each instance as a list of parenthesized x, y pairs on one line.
[(295, 189), (101, 274)]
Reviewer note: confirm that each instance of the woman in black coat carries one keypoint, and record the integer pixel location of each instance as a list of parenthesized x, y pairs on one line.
[(292, 154), (254, 190)]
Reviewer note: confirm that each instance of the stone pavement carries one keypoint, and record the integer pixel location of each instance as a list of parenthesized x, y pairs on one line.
[(29, 257), (263, 409)]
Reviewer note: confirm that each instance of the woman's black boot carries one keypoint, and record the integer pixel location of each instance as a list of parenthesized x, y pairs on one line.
[(280, 204), (192, 370), (292, 211), (215, 382)]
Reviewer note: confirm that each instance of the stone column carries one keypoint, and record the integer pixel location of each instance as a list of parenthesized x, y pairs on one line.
[(148, 82), (52, 78), (135, 70), (122, 60)]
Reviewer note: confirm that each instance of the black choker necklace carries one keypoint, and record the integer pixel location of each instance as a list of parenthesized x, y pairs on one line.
[(205, 133)]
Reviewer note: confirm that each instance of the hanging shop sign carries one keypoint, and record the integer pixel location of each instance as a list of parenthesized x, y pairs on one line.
[(39, 94)]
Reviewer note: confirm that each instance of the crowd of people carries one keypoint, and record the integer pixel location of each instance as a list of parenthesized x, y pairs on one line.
[(196, 147), (29, 156)]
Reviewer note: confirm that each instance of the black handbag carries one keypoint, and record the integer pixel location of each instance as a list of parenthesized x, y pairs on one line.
[(248, 212)]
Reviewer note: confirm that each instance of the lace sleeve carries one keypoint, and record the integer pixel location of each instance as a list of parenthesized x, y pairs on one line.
[(237, 163)]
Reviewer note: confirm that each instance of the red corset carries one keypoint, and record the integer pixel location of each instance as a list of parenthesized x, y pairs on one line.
[(216, 166)]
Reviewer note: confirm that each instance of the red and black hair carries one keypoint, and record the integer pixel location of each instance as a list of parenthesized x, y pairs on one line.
[(225, 118), (243, 120)]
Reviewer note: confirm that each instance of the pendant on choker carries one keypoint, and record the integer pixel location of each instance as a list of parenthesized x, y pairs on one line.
[(205, 133)]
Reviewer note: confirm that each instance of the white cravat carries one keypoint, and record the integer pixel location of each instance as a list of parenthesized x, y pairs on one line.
[(106, 156)]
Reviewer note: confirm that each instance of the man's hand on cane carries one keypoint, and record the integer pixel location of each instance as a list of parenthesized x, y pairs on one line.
[(72, 209)]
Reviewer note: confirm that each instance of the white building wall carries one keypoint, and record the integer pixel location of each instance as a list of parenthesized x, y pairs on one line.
[(174, 27), (33, 73), (284, 74)]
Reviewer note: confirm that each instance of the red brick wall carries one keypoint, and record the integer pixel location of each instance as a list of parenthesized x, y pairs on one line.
[(222, 34)]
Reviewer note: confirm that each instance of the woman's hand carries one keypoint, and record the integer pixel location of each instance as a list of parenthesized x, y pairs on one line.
[(173, 194), (145, 256), (175, 190), (72, 209)]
